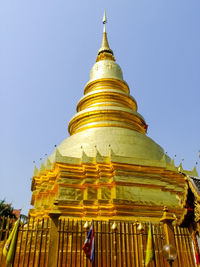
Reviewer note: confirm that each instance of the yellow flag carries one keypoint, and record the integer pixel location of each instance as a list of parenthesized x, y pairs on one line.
[(150, 248), (9, 248)]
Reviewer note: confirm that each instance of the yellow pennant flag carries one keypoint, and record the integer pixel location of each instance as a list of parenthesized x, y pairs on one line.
[(150, 253), (9, 248)]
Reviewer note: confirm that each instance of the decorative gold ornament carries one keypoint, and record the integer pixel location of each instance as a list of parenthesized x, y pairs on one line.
[(86, 225), (197, 211), (114, 226), (140, 227)]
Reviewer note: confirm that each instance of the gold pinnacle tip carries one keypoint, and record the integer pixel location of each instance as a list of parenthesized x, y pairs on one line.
[(104, 21), (104, 45), (104, 17)]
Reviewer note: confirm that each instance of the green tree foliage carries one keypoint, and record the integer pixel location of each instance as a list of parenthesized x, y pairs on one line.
[(6, 209)]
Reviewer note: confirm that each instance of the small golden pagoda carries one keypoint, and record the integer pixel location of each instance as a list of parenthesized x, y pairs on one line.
[(108, 168)]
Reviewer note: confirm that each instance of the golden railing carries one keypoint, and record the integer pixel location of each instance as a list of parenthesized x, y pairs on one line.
[(32, 242), (125, 245)]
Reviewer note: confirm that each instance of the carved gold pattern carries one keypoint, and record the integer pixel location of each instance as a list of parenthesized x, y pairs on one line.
[(197, 211)]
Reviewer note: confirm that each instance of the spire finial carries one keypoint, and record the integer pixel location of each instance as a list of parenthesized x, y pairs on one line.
[(104, 45), (104, 21)]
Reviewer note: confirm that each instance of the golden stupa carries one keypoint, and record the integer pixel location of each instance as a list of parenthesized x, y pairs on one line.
[(110, 173), (108, 168)]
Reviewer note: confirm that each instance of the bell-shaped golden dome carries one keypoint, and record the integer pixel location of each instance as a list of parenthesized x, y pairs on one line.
[(106, 69)]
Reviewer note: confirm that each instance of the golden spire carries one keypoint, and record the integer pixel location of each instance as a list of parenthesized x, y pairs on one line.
[(106, 101), (104, 45)]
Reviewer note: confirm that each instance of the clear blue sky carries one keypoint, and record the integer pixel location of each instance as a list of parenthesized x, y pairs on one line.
[(47, 49)]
